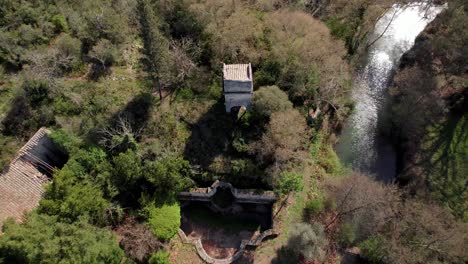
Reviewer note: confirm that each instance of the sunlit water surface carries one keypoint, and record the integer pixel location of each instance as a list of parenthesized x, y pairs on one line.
[(360, 145)]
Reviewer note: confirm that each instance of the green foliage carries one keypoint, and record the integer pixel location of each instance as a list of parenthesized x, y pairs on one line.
[(156, 45), (170, 176), (9, 146), (289, 182), (244, 168), (330, 161), (268, 73), (270, 99), (446, 146), (240, 145), (80, 187), (315, 206), (60, 23), (160, 257), (104, 53), (101, 20), (342, 30), (127, 169), (30, 109), (308, 241), (347, 235), (65, 142), (164, 220), (72, 194), (182, 24), (69, 48), (43, 239), (372, 250)]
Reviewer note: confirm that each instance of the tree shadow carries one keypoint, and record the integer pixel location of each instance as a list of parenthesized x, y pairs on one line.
[(444, 161), (285, 256), (97, 71), (210, 136), (135, 114)]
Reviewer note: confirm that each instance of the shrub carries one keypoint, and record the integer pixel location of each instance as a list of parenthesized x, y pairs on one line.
[(169, 176), (347, 235), (164, 220), (315, 206), (127, 169), (281, 144), (60, 23), (308, 241), (137, 240), (372, 250), (69, 52), (330, 161), (104, 53), (43, 239), (160, 257), (289, 182), (268, 73), (270, 99)]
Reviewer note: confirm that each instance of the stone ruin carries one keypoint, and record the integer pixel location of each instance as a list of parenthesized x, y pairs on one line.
[(243, 204), (22, 183)]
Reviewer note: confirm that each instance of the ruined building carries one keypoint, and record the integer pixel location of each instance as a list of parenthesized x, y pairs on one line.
[(22, 182), (237, 86)]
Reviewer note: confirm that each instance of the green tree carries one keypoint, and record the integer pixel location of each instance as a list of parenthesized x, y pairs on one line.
[(156, 46), (170, 176), (160, 257), (372, 249), (43, 239), (163, 220), (270, 99), (72, 194), (80, 187), (127, 169)]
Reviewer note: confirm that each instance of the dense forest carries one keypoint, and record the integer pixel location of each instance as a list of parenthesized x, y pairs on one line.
[(132, 92)]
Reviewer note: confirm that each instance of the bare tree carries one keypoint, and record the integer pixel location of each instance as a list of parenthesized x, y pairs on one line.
[(120, 133)]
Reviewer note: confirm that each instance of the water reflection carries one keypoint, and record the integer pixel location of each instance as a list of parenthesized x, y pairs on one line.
[(395, 32)]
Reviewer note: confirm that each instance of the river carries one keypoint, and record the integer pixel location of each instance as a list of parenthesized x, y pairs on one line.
[(362, 146)]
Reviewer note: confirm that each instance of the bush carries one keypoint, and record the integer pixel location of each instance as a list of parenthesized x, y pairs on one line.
[(268, 73), (169, 176), (270, 99), (137, 240), (60, 23), (289, 182), (104, 53), (372, 250), (330, 161), (308, 241), (43, 239), (315, 206), (347, 235), (280, 146), (69, 52), (164, 220), (160, 257)]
